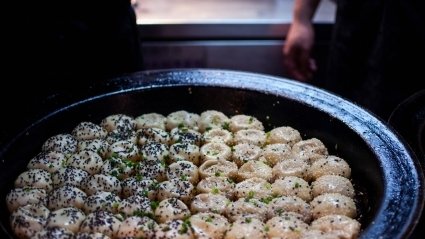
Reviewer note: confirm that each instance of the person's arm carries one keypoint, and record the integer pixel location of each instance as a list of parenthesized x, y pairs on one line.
[(299, 42)]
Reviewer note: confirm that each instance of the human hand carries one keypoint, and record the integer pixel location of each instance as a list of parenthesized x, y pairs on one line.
[(297, 61)]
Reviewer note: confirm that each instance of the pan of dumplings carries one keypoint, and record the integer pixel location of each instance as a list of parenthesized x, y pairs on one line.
[(209, 154)]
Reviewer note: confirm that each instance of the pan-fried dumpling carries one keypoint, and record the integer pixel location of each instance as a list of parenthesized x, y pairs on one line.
[(88, 161), (209, 202), (28, 220), (118, 122), (137, 227), (69, 218), (35, 178), (243, 153), (184, 151), (255, 169), (209, 225), (241, 122), (88, 130), (218, 168), (250, 136), (180, 119), (212, 119), (101, 221), (63, 143), (171, 209), (215, 151), (150, 120), (292, 186), (310, 150), (333, 203), (283, 135), (19, 197), (218, 135), (246, 227), (66, 196)]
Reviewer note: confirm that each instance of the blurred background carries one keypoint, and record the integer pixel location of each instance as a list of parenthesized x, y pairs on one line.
[(240, 34)]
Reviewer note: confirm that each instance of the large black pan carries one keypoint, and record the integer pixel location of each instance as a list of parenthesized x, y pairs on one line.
[(383, 168)]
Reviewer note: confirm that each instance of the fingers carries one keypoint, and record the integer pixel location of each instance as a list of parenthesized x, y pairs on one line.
[(298, 64)]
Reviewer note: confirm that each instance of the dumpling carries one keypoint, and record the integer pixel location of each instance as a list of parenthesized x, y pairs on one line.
[(338, 225), (86, 160), (137, 227), (19, 197), (183, 170), (333, 203), (176, 188), (283, 135), (243, 153), (145, 187), (154, 151), (254, 188), (28, 220), (251, 207), (49, 161), (291, 167), (292, 186), (310, 150), (119, 122), (215, 151), (332, 184), (35, 178), (101, 221), (180, 119), (212, 119), (88, 131), (288, 226), (134, 205), (208, 225), (184, 151), (171, 209), (330, 165), (176, 229), (69, 218), (150, 120), (216, 185), (124, 149), (241, 122), (151, 169), (218, 136), (274, 153), (68, 177), (209, 202), (246, 227), (105, 201), (218, 168), (99, 146), (185, 136), (63, 143), (254, 169), (250, 136), (101, 182), (284, 204), (146, 135), (66, 196)]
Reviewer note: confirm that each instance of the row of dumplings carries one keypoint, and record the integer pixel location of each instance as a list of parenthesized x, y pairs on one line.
[(98, 164)]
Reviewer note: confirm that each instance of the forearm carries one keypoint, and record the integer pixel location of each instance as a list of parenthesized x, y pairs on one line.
[(304, 10)]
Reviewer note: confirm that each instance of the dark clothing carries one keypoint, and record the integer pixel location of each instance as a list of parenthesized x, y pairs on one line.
[(59, 49), (373, 55), (68, 45)]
